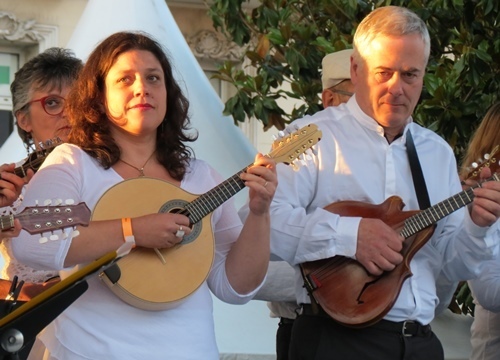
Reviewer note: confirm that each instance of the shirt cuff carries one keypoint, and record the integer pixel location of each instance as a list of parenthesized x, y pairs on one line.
[(347, 230)]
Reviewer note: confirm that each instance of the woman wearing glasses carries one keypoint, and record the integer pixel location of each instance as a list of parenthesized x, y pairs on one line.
[(38, 92)]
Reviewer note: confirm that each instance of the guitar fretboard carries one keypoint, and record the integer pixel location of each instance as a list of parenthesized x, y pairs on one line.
[(211, 200), (437, 212)]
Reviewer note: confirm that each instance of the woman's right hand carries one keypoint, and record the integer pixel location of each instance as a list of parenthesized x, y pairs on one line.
[(163, 230)]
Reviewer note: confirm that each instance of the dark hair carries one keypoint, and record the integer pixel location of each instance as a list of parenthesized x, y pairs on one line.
[(88, 119), (51, 69)]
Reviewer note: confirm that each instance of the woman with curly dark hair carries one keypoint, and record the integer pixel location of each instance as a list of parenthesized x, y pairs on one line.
[(130, 127)]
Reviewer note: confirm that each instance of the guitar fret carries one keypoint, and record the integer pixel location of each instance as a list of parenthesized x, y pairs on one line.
[(428, 219), (437, 212), (215, 197), (6, 222), (420, 222)]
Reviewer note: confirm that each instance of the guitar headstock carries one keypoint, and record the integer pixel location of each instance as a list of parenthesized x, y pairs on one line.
[(40, 219), (491, 160), (290, 147)]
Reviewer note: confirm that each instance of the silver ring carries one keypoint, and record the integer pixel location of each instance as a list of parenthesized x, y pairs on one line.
[(180, 233)]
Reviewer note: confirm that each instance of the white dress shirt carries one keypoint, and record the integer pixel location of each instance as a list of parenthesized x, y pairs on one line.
[(485, 330), (354, 161)]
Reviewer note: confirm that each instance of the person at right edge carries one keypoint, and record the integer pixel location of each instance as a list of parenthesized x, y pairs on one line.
[(485, 329), (363, 157)]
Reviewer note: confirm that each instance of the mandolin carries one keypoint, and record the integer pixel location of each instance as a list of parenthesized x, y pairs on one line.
[(36, 158), (343, 287), (41, 219), (157, 279)]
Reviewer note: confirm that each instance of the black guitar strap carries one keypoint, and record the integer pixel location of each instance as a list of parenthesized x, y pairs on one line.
[(416, 171)]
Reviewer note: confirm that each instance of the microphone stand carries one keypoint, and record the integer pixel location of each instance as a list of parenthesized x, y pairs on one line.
[(21, 325)]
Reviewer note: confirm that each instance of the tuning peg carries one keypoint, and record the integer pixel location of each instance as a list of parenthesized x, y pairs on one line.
[(314, 151), (487, 156), (474, 165), (53, 237), (47, 202), (281, 133), (69, 202), (43, 240), (75, 233), (64, 236), (58, 202), (274, 137)]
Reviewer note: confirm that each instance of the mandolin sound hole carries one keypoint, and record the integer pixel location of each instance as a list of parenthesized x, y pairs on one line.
[(177, 206)]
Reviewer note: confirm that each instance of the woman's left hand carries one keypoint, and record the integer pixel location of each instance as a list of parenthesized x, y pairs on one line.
[(262, 181)]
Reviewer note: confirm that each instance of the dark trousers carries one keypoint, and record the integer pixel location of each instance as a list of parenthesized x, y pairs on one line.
[(283, 336), (321, 338)]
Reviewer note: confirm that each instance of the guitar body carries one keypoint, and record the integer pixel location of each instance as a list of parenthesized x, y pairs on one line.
[(142, 278), (343, 287)]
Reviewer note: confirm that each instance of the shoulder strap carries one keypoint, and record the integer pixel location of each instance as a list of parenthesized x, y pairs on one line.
[(416, 171)]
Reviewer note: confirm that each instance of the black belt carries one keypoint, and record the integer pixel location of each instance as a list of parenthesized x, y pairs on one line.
[(405, 328), (286, 321)]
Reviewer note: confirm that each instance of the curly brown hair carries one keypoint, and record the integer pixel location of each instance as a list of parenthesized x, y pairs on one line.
[(90, 124)]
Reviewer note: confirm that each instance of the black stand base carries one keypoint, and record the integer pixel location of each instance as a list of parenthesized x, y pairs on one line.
[(17, 336)]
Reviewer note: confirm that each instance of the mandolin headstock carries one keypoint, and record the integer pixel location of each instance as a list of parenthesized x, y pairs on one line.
[(289, 147), (47, 219), (490, 160)]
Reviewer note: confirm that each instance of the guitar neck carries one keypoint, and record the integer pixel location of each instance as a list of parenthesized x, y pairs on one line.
[(284, 150), (211, 200), (432, 215)]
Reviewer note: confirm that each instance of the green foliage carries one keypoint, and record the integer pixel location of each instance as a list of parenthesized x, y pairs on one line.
[(287, 39), (463, 298)]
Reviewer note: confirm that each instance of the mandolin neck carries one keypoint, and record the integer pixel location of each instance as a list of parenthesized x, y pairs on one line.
[(211, 200), (432, 215)]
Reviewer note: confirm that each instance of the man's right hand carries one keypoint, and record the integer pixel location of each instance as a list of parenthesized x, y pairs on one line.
[(379, 246)]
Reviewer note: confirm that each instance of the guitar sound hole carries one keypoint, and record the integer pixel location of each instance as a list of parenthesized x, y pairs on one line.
[(177, 206)]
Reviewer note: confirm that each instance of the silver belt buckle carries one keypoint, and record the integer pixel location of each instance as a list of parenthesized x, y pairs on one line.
[(403, 330)]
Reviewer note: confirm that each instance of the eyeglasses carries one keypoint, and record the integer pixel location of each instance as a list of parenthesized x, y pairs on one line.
[(342, 92), (51, 104)]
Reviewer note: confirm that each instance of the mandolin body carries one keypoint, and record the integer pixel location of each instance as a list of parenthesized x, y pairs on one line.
[(142, 278), (343, 287)]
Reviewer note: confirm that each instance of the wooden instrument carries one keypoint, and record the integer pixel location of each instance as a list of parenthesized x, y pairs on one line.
[(343, 287), (156, 279), (36, 159), (40, 219), (491, 161)]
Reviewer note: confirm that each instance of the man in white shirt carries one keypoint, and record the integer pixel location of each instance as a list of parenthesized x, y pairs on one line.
[(363, 157), (278, 289)]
